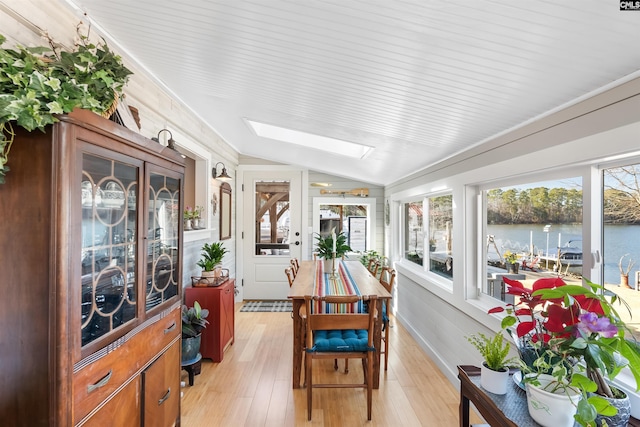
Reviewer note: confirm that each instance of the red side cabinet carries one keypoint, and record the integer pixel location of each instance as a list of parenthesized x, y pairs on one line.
[(219, 333)]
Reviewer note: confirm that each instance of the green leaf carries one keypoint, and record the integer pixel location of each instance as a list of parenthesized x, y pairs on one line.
[(586, 413), (602, 406)]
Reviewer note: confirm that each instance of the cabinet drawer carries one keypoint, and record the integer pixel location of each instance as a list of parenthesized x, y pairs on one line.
[(98, 380), (161, 389), (123, 410)]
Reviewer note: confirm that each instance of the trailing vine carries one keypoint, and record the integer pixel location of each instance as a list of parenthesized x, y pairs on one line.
[(38, 83)]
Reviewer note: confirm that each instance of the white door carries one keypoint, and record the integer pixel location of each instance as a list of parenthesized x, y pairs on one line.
[(272, 234)]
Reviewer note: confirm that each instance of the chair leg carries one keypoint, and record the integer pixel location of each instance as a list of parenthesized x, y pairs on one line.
[(386, 346), (307, 378), (369, 380), (346, 365)]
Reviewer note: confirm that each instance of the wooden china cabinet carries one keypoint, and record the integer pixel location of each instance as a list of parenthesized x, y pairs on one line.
[(90, 250)]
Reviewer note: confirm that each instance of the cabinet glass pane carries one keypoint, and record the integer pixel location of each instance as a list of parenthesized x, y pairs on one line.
[(163, 234), (109, 192)]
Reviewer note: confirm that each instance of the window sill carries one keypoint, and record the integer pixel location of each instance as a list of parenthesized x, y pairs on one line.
[(426, 279), (193, 235)]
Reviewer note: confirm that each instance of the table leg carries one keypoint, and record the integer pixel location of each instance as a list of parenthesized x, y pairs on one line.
[(377, 342), (297, 342), (464, 409)]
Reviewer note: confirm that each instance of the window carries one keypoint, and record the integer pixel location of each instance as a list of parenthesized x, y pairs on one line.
[(348, 219), (440, 235), (532, 230), (354, 216), (413, 232), (439, 211), (621, 234)]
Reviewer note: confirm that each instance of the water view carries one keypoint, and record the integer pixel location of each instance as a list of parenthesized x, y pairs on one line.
[(618, 241)]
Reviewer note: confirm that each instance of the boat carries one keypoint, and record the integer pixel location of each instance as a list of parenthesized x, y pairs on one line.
[(571, 253)]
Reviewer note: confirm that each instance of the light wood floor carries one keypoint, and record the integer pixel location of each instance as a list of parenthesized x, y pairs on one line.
[(252, 385)]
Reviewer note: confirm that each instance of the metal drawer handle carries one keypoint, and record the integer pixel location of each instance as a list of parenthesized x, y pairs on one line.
[(170, 328), (165, 397), (100, 383)]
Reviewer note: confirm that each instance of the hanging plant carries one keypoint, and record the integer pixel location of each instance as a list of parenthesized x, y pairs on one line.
[(37, 83)]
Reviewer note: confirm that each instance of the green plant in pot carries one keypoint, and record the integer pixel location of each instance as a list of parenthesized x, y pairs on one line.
[(494, 373), (38, 83), (211, 260), (580, 338), (324, 245), (194, 320)]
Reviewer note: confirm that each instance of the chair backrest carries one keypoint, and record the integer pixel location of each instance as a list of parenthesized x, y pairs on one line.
[(333, 321), (289, 272), (295, 265), (375, 268), (387, 278), (371, 265)]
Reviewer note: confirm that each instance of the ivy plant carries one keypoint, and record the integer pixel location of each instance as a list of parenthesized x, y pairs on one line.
[(37, 83)]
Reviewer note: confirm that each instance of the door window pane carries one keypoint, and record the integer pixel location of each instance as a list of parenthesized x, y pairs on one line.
[(533, 231), (347, 218), (163, 235), (621, 237), (272, 218)]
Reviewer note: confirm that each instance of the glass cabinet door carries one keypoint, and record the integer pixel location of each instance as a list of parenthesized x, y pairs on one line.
[(164, 218), (109, 234)]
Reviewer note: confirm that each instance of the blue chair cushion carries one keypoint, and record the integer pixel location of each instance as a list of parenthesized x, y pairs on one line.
[(340, 340), (385, 317)]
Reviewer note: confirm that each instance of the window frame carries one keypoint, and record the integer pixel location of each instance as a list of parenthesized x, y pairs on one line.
[(421, 273)]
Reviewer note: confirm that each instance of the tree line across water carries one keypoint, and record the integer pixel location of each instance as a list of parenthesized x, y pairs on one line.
[(557, 206)]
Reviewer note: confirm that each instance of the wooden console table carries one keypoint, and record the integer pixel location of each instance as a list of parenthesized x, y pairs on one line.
[(508, 410)]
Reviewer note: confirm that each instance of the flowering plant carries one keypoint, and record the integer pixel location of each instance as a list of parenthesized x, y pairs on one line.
[(510, 257), (197, 212), (189, 213), (568, 324)]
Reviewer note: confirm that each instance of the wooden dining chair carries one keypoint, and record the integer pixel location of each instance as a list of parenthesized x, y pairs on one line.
[(290, 275), (303, 310), (372, 263), (295, 265), (342, 335), (387, 279)]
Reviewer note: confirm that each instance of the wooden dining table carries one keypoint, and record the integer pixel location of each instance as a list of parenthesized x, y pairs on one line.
[(304, 285)]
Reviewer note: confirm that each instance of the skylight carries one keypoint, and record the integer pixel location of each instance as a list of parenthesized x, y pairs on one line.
[(335, 146)]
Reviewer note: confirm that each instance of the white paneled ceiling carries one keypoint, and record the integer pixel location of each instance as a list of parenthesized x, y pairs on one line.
[(419, 80)]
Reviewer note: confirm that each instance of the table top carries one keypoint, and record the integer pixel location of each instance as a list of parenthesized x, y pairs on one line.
[(367, 283)]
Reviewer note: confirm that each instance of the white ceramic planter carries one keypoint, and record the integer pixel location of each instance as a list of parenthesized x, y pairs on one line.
[(494, 381), (551, 409)]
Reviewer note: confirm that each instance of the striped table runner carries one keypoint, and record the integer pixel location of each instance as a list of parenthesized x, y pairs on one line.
[(343, 284)]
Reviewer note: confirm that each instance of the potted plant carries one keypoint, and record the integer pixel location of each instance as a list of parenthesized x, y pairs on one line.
[(211, 260), (511, 262), (580, 338), (37, 83), (194, 320), (494, 373), (325, 247), (187, 216)]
